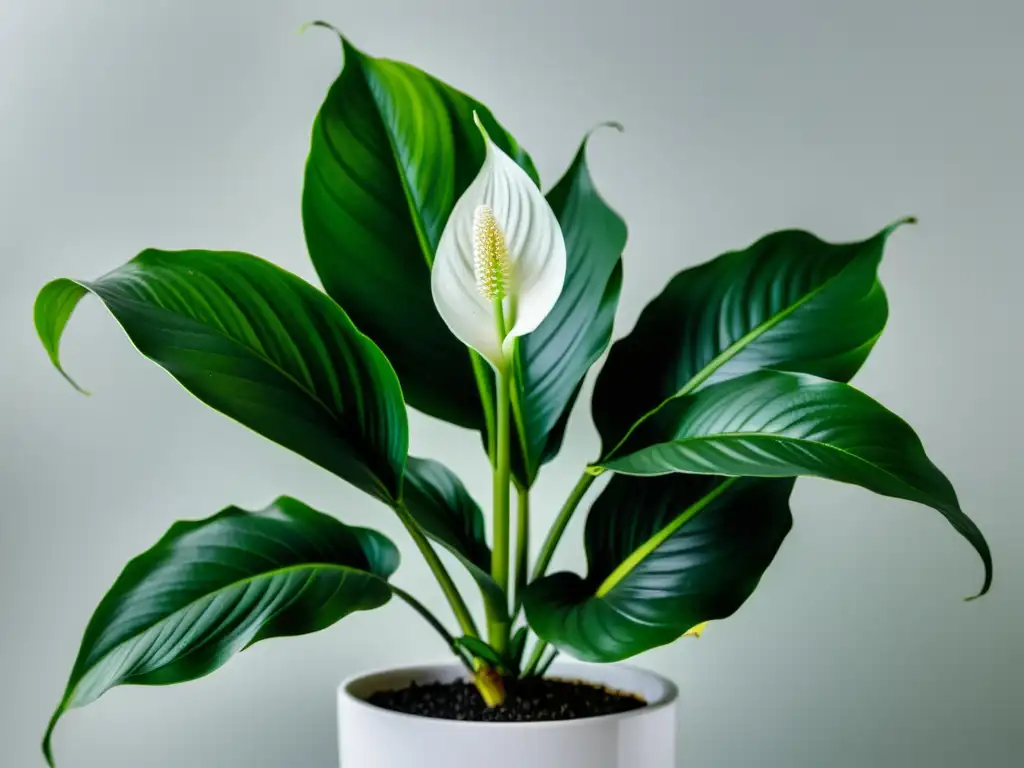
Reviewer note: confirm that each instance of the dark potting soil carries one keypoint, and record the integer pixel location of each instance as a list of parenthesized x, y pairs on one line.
[(531, 700)]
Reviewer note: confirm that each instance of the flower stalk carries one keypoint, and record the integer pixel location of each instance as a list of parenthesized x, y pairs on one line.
[(498, 270)]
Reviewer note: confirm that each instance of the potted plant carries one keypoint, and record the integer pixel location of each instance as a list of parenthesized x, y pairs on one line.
[(452, 285)]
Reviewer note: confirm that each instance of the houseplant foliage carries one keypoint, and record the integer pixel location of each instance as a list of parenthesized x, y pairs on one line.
[(452, 285)]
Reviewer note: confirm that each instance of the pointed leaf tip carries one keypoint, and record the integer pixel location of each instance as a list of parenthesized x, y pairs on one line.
[(607, 124), (899, 223), (323, 24)]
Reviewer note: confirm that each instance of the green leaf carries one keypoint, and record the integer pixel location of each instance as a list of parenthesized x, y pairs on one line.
[(213, 587), (665, 554), (550, 363), (481, 650), (392, 150), (261, 346), (775, 424), (788, 302), (439, 502)]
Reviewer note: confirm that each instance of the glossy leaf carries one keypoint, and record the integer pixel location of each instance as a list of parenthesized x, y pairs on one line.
[(665, 555), (550, 363), (443, 508), (392, 150), (212, 588), (775, 424), (261, 346), (788, 302)]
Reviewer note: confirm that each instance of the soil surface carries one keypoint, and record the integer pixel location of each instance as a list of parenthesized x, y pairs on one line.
[(531, 700)]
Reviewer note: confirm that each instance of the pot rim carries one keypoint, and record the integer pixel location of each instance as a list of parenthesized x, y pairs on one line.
[(453, 670)]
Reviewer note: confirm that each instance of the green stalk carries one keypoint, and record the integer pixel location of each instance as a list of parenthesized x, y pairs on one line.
[(522, 546), (459, 608), (538, 652), (434, 622), (558, 528), (543, 668), (498, 631)]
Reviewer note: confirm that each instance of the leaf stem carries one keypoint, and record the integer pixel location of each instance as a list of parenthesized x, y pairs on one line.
[(543, 668), (558, 528), (522, 546), (538, 652), (434, 622), (462, 614)]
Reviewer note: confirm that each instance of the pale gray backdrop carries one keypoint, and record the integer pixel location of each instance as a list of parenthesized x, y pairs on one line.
[(126, 124)]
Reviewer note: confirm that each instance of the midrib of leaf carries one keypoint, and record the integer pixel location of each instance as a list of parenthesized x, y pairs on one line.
[(417, 218), (427, 251), (641, 553), (817, 444), (730, 352), (209, 596)]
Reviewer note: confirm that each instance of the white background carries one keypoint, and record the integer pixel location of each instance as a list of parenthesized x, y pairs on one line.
[(185, 124)]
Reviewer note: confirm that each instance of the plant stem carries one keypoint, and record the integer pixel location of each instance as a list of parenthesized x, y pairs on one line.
[(558, 528), (499, 630), (462, 614), (538, 652), (433, 621), (543, 668), (522, 546)]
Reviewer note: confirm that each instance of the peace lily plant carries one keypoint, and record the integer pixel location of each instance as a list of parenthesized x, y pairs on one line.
[(455, 287)]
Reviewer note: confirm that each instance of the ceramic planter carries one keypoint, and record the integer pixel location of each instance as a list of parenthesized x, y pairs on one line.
[(371, 737)]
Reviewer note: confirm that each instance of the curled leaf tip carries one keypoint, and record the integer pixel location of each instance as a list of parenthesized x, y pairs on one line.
[(899, 223), (324, 25), (610, 124), (607, 124), (982, 593)]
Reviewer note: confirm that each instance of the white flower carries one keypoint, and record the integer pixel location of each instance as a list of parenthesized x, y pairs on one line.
[(502, 248)]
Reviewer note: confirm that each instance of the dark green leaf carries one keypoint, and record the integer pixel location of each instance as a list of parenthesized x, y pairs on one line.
[(261, 346), (788, 302), (665, 554), (440, 503), (550, 363), (775, 424), (392, 150), (211, 588)]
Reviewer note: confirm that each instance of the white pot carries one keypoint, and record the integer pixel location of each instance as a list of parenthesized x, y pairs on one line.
[(372, 737)]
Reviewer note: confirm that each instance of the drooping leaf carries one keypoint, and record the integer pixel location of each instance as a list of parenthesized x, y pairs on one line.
[(210, 588), (261, 346), (439, 502), (788, 302), (550, 363), (665, 554), (392, 149), (776, 424)]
